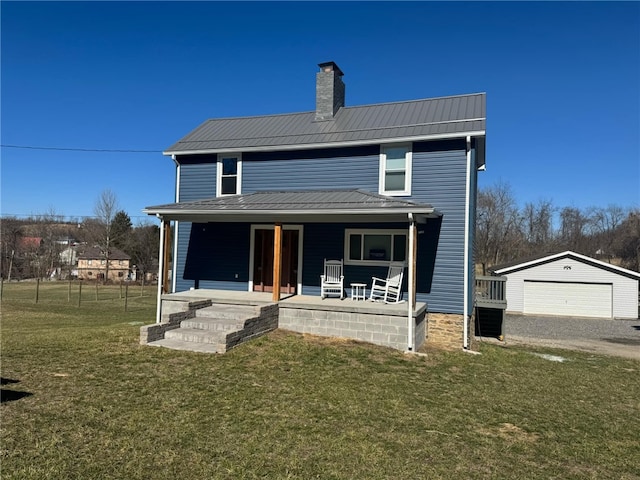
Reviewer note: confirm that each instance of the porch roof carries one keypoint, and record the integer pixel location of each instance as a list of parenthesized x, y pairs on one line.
[(309, 206)]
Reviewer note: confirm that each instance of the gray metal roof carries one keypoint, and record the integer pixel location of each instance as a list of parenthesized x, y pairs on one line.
[(285, 204), (534, 261), (95, 253), (442, 117)]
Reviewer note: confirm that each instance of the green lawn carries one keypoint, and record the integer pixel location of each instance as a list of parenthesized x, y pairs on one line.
[(100, 406)]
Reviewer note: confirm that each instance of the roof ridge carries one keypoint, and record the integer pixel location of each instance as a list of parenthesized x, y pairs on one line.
[(417, 100), (346, 107)]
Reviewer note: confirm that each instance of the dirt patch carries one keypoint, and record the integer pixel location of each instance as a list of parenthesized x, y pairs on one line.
[(510, 432)]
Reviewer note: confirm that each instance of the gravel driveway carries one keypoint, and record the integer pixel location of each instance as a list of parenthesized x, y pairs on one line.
[(611, 337)]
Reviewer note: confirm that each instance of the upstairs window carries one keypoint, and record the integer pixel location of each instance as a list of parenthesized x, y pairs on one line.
[(229, 175), (395, 170)]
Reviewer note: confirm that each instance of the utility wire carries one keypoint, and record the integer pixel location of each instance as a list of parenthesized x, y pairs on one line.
[(69, 149)]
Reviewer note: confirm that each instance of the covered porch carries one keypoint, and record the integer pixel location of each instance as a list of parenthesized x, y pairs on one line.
[(226, 229)]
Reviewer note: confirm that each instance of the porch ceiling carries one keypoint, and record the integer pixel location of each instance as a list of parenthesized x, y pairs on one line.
[(297, 206)]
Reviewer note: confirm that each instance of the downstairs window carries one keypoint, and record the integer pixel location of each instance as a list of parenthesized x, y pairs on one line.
[(374, 247)]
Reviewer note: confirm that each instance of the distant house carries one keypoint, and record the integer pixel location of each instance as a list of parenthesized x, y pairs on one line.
[(92, 264), (570, 284), (29, 244)]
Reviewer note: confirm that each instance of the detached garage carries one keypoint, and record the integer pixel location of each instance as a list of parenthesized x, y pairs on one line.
[(570, 284)]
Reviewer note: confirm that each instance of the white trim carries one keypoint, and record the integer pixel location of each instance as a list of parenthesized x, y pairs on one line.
[(160, 271), (221, 156), (382, 170), (309, 146), (176, 224), (371, 231), (411, 341), (417, 210), (174, 256), (569, 253), (465, 340), (268, 226)]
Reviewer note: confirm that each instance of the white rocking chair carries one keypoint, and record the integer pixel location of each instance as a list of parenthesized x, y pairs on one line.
[(332, 282), (389, 289)]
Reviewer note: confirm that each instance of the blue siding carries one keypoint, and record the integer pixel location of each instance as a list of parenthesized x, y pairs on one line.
[(217, 255), (472, 234), (196, 182), (439, 178), (327, 241), (311, 173), (184, 232)]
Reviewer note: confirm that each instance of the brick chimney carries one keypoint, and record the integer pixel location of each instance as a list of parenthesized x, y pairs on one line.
[(329, 91)]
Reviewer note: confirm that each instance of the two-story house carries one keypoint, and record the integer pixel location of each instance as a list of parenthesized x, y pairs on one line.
[(367, 184), (93, 264)]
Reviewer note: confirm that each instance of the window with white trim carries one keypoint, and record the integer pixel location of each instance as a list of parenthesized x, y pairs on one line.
[(395, 170), (374, 247), (229, 174)]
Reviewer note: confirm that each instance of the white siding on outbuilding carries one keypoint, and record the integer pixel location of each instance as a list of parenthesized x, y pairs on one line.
[(570, 284)]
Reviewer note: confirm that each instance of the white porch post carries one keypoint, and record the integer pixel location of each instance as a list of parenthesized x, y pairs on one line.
[(411, 285), (161, 257), (467, 223)]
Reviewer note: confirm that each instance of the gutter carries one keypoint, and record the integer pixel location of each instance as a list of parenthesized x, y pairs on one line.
[(294, 212)]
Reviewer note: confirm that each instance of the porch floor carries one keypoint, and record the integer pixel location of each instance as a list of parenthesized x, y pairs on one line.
[(311, 302)]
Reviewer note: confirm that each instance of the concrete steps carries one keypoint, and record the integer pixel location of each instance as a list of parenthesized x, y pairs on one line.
[(175, 344), (215, 329)]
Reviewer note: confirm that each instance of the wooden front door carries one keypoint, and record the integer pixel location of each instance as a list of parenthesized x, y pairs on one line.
[(263, 261)]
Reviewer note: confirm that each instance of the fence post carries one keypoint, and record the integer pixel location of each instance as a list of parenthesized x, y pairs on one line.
[(120, 288), (97, 290), (126, 296), (79, 292), (37, 289), (142, 286), (1, 287), (69, 292)]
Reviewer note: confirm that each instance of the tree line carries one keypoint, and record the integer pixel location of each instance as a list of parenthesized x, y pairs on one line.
[(506, 232), (34, 247)]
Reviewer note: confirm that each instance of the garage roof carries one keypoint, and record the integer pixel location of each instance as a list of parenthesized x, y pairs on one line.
[(548, 258)]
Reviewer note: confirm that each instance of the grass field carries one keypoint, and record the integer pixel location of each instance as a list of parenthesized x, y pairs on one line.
[(83, 400)]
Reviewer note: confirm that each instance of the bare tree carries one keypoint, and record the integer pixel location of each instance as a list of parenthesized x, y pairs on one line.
[(603, 223), (537, 224), (9, 236), (144, 247), (574, 231), (102, 229), (498, 226), (626, 244)]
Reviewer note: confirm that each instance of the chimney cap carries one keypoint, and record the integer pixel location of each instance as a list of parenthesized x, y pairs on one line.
[(330, 67)]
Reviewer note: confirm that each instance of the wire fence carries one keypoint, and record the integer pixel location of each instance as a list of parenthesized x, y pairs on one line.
[(79, 293)]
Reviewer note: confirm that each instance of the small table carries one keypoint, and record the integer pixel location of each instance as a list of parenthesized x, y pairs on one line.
[(358, 291)]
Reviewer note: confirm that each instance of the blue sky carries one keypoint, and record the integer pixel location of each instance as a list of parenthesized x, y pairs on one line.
[(562, 83)]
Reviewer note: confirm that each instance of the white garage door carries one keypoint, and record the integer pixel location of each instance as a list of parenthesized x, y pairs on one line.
[(570, 299)]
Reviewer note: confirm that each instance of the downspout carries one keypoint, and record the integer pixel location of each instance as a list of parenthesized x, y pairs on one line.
[(465, 341), (411, 300), (160, 270)]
